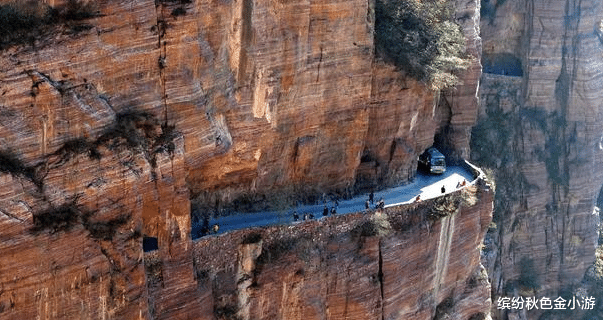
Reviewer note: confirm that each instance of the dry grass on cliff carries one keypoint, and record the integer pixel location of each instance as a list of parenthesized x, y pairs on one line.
[(377, 225), (70, 214), (422, 39), (28, 21), (9, 163)]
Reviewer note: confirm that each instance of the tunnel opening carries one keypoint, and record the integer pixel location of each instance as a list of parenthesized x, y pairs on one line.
[(149, 244), (505, 64)]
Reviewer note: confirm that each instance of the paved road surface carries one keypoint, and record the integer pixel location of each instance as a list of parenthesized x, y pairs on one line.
[(427, 186)]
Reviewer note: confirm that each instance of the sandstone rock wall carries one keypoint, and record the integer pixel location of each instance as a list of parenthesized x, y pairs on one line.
[(110, 124), (541, 134), (265, 94)]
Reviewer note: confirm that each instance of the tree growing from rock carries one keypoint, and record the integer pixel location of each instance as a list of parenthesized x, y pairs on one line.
[(422, 39)]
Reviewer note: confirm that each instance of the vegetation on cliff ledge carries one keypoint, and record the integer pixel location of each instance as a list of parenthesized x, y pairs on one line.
[(422, 39), (27, 21)]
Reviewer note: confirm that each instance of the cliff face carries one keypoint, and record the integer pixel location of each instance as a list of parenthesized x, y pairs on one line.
[(109, 125), (405, 263), (539, 129), (265, 94)]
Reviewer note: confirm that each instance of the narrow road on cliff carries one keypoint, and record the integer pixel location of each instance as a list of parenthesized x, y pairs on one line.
[(424, 185)]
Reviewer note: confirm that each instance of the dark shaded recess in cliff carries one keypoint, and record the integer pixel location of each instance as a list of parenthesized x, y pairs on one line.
[(528, 278), (444, 309), (224, 291), (149, 244), (180, 8), (34, 22), (278, 248), (488, 9), (505, 64), (442, 138), (227, 312), (210, 204), (477, 316), (251, 238)]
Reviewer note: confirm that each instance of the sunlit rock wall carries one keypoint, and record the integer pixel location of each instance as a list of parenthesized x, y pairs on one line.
[(111, 124)]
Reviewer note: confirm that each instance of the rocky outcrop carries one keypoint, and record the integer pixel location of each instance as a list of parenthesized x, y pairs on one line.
[(539, 129)]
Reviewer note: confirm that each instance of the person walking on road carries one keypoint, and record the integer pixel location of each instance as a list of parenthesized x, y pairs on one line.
[(295, 216), (443, 189), (372, 197), (325, 211)]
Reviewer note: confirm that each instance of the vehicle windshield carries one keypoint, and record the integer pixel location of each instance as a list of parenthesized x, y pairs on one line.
[(439, 162)]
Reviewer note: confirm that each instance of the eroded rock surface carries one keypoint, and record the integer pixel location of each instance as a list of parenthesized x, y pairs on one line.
[(541, 133), (109, 125)]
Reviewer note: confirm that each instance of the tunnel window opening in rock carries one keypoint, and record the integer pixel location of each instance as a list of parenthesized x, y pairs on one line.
[(149, 244), (367, 156), (504, 64)]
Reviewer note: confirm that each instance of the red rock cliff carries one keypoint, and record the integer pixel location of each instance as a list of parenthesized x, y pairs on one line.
[(111, 123)]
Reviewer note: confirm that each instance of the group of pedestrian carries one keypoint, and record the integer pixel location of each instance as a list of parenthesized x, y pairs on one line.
[(333, 209), (306, 216), (325, 212), (371, 201)]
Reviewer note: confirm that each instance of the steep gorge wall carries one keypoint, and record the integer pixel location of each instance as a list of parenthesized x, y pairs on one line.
[(109, 125), (540, 130)]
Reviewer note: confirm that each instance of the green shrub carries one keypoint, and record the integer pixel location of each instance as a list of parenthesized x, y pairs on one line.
[(528, 277), (421, 38)]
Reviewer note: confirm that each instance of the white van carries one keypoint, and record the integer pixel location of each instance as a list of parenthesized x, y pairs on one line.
[(433, 161)]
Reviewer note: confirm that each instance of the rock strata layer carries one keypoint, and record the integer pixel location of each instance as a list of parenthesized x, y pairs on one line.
[(539, 129), (111, 123)]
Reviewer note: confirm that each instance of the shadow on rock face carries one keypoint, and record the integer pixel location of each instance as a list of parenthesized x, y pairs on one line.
[(505, 64)]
